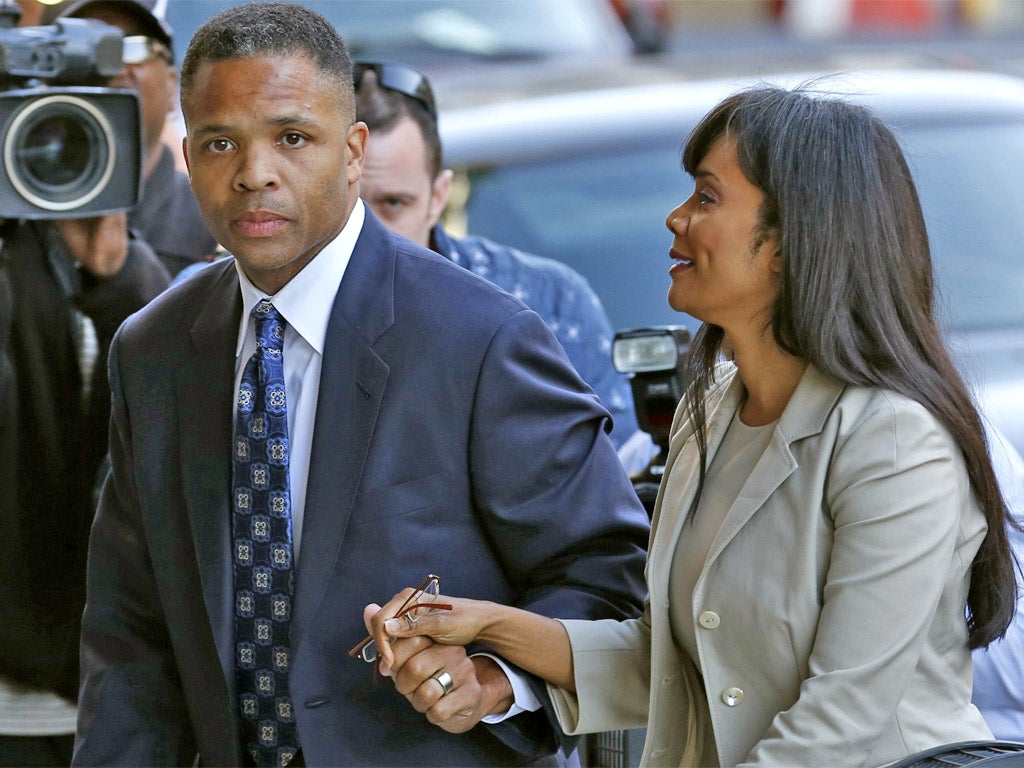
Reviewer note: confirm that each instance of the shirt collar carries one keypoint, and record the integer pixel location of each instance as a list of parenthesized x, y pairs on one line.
[(442, 243), (306, 300)]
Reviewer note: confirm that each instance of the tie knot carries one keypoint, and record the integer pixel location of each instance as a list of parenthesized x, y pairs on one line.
[(269, 326)]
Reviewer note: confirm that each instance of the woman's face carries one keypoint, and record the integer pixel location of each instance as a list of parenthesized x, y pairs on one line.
[(721, 274)]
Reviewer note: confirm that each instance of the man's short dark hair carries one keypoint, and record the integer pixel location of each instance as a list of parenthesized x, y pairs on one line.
[(270, 29)]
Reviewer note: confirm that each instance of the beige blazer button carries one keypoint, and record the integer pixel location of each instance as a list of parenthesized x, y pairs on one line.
[(709, 620), (732, 696)]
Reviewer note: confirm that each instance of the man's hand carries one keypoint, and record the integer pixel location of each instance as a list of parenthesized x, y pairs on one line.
[(99, 244), (479, 686)]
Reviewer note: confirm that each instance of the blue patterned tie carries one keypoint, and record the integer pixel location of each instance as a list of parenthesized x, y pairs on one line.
[(262, 543)]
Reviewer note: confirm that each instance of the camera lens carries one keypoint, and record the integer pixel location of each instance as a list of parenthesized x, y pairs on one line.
[(59, 152), (55, 152)]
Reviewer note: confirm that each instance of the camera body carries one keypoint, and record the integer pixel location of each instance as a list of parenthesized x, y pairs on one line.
[(655, 359), (70, 147)]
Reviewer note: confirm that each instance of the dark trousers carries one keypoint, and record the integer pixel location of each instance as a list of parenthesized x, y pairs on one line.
[(36, 751)]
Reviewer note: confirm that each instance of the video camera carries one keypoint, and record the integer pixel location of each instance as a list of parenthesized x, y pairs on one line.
[(71, 147), (655, 360)]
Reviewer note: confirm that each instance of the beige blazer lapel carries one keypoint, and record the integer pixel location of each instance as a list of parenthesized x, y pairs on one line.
[(804, 416), (677, 493), (674, 499), (772, 469)]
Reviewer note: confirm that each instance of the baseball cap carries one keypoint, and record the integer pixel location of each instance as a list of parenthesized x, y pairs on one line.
[(142, 11)]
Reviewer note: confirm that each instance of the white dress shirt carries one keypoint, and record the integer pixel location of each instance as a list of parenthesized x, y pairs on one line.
[(305, 304)]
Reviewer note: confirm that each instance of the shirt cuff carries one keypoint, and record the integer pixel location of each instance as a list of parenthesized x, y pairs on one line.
[(524, 699)]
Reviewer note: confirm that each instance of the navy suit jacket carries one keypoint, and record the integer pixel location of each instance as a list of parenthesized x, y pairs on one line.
[(452, 436)]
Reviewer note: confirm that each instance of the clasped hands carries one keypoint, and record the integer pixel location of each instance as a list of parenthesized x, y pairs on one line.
[(427, 660)]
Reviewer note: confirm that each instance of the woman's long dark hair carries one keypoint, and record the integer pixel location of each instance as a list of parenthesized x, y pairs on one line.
[(856, 295)]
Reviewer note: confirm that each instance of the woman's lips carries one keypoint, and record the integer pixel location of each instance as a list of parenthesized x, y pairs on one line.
[(681, 263)]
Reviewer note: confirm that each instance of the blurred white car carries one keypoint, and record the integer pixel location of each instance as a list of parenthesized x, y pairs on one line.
[(587, 175), (436, 35)]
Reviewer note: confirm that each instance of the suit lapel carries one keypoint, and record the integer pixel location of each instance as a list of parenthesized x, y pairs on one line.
[(720, 410), (804, 416), (205, 396), (774, 466), (352, 382)]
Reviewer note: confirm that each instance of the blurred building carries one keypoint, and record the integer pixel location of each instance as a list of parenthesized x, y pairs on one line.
[(836, 18)]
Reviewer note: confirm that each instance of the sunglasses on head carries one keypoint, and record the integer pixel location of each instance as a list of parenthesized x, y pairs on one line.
[(400, 78)]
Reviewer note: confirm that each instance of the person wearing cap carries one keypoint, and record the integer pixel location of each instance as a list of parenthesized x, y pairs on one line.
[(65, 286), (407, 187), (167, 214)]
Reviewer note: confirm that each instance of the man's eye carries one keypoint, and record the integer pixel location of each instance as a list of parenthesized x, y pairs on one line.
[(293, 139), (703, 198), (218, 146)]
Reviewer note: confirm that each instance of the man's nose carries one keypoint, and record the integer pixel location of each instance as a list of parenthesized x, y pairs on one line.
[(255, 171)]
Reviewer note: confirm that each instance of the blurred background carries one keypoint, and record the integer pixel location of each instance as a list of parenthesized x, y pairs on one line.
[(563, 121), (446, 30)]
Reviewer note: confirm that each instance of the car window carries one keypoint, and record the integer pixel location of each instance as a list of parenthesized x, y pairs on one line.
[(603, 214), (969, 178)]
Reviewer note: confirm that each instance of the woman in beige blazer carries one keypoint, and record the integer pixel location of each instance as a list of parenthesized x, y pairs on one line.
[(829, 539)]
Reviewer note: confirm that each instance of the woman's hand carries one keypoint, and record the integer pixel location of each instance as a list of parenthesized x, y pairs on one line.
[(459, 625), (536, 643)]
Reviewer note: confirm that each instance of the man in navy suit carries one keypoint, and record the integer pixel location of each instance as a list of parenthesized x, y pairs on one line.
[(434, 425)]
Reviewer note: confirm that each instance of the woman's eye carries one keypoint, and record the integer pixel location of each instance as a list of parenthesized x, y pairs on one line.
[(704, 198)]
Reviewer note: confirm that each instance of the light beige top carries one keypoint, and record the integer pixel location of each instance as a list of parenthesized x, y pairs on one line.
[(741, 448)]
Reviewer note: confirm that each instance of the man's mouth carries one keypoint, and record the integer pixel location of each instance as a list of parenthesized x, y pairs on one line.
[(260, 223)]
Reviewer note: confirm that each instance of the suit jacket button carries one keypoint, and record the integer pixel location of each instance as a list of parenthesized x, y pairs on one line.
[(732, 696), (709, 620)]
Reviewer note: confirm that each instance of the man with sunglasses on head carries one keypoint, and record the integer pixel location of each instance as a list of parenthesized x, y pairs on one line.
[(167, 214), (406, 186)]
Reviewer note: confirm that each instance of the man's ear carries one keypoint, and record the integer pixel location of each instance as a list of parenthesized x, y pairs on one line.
[(355, 147), (184, 154), (439, 192)]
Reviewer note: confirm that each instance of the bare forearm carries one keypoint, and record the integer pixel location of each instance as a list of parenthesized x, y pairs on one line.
[(532, 642), (535, 643)]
